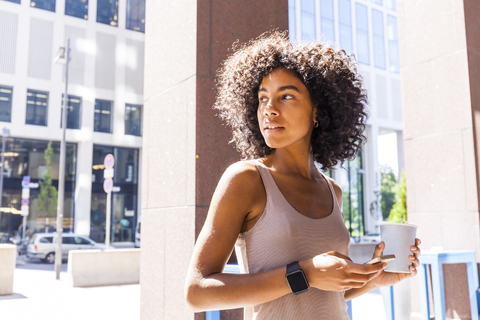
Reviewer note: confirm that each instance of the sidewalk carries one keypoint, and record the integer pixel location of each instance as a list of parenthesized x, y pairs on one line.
[(37, 295)]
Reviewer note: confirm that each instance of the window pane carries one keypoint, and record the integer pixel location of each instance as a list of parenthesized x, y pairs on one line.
[(37, 106), (380, 2), (6, 103), (392, 34), (363, 49), (351, 182), (103, 116), (133, 119), (77, 8), (345, 12), (136, 15), (392, 4), (43, 4), (292, 31), (378, 39), (107, 12), (73, 112), (327, 24), (308, 20)]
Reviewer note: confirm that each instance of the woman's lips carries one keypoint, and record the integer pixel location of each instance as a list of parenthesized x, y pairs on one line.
[(273, 129)]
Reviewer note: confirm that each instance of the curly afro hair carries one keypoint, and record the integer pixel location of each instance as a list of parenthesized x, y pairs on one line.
[(331, 78)]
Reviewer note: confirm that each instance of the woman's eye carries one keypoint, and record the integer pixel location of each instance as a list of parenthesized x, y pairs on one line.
[(287, 97), (263, 99)]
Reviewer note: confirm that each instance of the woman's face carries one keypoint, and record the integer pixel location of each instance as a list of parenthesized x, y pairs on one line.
[(285, 112)]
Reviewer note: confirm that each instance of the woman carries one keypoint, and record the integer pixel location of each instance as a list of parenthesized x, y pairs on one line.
[(289, 107)]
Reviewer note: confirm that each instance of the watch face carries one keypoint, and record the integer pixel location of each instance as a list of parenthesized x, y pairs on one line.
[(297, 281)]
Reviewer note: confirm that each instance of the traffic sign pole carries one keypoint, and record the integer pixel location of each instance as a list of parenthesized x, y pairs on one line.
[(107, 226), (108, 173)]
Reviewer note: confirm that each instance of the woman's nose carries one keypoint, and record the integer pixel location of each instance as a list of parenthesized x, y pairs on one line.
[(270, 109)]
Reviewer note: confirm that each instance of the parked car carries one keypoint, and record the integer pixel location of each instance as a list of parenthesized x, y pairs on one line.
[(137, 234), (43, 245)]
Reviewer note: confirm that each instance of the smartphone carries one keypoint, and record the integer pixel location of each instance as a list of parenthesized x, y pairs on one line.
[(385, 258)]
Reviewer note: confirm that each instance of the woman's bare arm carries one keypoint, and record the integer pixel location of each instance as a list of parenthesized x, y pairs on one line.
[(240, 193)]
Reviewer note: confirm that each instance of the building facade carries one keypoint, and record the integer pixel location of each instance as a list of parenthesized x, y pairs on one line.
[(368, 30), (104, 111)]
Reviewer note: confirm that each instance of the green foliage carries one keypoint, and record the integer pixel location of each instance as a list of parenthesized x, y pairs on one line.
[(47, 198), (398, 213), (389, 184)]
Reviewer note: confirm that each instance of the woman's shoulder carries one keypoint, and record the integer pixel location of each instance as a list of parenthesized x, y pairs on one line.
[(243, 170)]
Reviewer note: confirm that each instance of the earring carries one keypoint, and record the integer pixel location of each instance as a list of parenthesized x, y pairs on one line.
[(315, 124)]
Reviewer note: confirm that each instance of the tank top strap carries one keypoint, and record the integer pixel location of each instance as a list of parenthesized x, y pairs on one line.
[(267, 178), (332, 190)]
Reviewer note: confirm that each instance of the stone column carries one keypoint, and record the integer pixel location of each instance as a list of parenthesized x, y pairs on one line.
[(440, 59), (185, 145)]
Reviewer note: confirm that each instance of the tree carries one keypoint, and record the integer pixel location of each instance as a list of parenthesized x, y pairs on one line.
[(388, 185), (47, 198), (398, 213)]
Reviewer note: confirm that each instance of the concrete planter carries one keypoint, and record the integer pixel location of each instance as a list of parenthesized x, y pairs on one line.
[(103, 267), (8, 254)]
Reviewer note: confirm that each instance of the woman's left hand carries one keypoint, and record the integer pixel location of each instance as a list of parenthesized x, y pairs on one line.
[(385, 279)]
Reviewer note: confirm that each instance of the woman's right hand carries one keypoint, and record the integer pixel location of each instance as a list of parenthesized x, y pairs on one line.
[(333, 271)]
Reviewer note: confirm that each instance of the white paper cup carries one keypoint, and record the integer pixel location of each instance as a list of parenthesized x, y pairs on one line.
[(398, 238)]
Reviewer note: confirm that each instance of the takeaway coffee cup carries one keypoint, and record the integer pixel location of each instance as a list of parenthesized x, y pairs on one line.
[(398, 238)]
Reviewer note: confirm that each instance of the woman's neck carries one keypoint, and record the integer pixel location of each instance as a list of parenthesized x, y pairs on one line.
[(293, 162)]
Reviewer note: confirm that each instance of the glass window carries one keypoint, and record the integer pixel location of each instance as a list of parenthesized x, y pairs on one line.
[(43, 4), (392, 4), (26, 157), (378, 39), (107, 12), (380, 2), (363, 45), (80, 240), (327, 23), (292, 30), (6, 103), (37, 106), (73, 115), (103, 116), (133, 119), (68, 240), (14, 1), (345, 11), (308, 20), (77, 8), (124, 196), (350, 179), (46, 240), (136, 15), (392, 34)]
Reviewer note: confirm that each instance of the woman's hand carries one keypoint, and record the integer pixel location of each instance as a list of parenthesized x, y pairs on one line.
[(385, 279), (333, 271)]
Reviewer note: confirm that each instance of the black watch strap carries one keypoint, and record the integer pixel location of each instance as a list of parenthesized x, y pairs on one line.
[(296, 278), (293, 266)]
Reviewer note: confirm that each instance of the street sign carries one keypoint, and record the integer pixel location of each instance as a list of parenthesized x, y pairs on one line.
[(25, 202), (24, 211), (25, 193), (109, 161), (108, 185), (108, 173), (26, 182)]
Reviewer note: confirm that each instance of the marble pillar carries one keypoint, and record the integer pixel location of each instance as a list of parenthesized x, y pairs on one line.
[(440, 63), (185, 146)]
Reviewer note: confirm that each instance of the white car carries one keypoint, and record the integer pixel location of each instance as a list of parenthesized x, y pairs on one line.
[(43, 245)]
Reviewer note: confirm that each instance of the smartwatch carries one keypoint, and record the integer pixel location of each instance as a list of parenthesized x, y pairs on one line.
[(296, 278)]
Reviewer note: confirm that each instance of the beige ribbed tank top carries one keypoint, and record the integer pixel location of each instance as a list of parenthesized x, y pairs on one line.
[(282, 235)]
